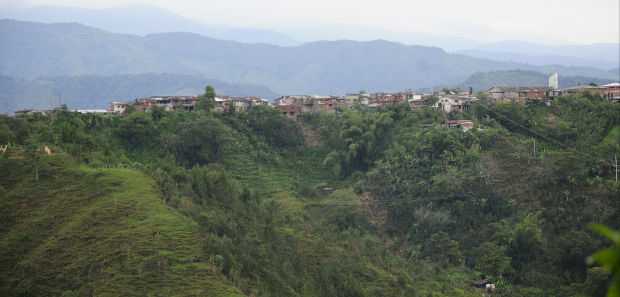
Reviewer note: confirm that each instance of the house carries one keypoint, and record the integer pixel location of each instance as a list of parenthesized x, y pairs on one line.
[(168, 103), (361, 98), (380, 99), (518, 94), (454, 103), (144, 104), (417, 103), (184, 103), (118, 107), (221, 104), (612, 91), (291, 111), (311, 104), (503, 94), (238, 104), (387, 99), (352, 99), (286, 100), (257, 101), (419, 100), (584, 89), (327, 104), (533, 93), (464, 125), (364, 98)]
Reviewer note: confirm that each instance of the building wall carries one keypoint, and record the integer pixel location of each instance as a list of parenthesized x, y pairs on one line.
[(613, 93)]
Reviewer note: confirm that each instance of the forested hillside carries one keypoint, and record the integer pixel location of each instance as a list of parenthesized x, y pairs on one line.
[(357, 203)]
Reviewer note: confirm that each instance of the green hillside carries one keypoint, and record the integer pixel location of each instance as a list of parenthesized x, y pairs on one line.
[(361, 202), (98, 232)]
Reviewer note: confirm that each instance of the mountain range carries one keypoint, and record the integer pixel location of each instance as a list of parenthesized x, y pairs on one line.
[(149, 19), (144, 20), (33, 50)]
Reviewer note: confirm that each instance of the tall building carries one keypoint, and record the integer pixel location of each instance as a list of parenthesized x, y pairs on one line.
[(554, 81)]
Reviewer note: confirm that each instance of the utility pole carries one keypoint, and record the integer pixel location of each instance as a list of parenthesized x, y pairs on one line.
[(534, 147), (617, 168)]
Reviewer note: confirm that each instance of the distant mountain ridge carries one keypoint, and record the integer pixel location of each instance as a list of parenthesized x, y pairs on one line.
[(484, 81), (600, 55), (144, 20), (328, 67), (99, 91)]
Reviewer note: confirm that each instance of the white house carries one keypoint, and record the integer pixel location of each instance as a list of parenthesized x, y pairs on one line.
[(453, 103)]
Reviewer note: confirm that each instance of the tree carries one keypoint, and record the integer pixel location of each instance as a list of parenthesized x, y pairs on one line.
[(492, 259), (610, 258), (440, 248), (137, 131), (527, 242), (6, 136), (361, 140), (277, 130), (157, 113), (201, 142), (206, 102), (32, 149)]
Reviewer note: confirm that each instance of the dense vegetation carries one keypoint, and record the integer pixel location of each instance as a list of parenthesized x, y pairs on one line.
[(358, 203)]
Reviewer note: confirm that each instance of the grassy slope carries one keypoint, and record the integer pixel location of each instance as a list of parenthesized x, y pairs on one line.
[(99, 232), (289, 171)]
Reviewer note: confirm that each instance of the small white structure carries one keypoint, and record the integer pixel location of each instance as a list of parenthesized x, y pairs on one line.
[(464, 125), (490, 287), (554, 81), (86, 111)]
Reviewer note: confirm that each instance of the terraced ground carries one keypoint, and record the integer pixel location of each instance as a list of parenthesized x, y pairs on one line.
[(292, 169), (105, 232)]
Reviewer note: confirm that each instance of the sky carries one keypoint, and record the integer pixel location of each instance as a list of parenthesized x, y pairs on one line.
[(543, 21)]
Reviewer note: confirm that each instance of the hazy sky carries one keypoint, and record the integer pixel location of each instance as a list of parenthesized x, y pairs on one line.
[(573, 21)]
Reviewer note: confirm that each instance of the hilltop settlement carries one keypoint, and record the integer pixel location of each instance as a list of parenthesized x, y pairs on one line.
[(292, 106)]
